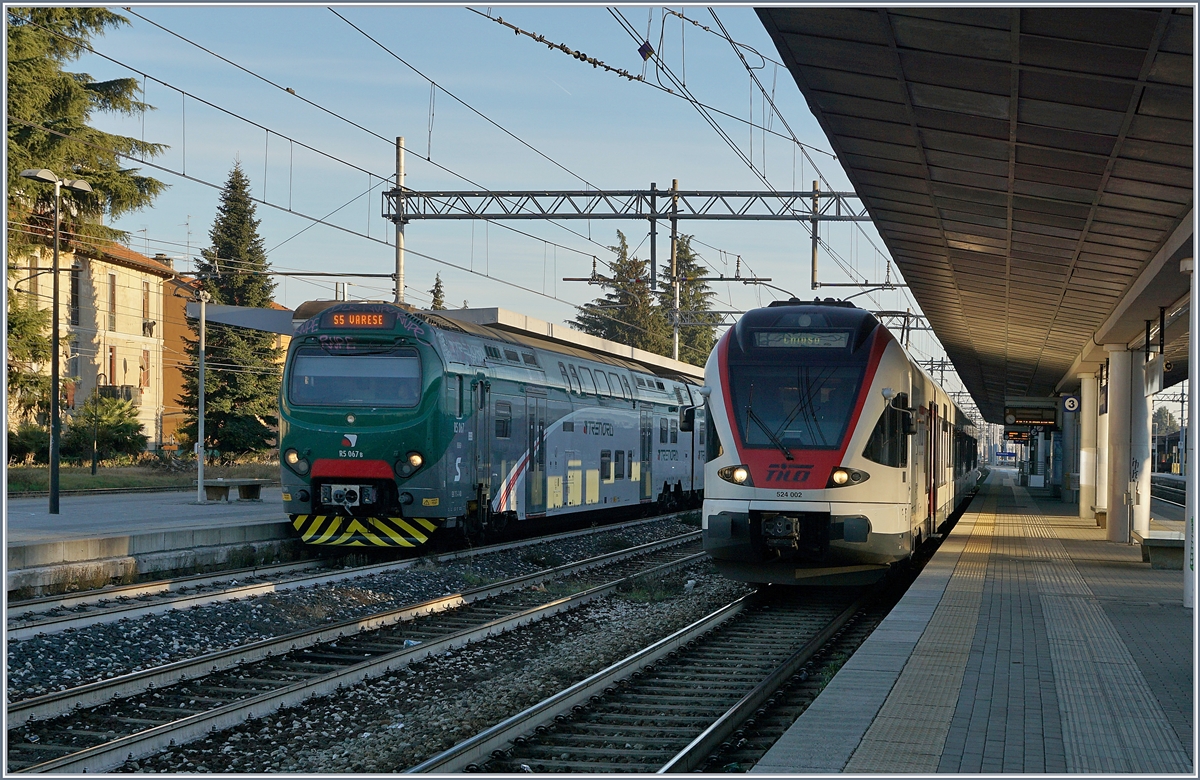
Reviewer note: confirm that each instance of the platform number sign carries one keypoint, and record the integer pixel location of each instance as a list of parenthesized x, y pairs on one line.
[(1070, 403)]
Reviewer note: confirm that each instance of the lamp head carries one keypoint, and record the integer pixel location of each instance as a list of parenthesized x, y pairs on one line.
[(39, 174), (78, 185)]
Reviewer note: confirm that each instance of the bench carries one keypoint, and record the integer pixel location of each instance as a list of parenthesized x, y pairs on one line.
[(1161, 549), (1101, 515), (248, 489)]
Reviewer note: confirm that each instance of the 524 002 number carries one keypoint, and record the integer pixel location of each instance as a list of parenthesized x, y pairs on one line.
[(788, 494)]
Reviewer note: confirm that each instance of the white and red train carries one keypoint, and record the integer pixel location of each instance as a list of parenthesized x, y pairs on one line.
[(832, 455)]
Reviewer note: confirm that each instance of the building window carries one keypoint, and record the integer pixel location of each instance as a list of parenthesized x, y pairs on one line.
[(145, 300), (144, 380), (76, 280), (112, 301), (503, 420), (112, 365)]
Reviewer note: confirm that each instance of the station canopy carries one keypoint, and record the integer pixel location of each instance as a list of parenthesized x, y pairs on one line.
[(1030, 170)]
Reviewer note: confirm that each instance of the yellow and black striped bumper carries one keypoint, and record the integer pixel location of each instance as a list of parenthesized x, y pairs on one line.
[(363, 531)]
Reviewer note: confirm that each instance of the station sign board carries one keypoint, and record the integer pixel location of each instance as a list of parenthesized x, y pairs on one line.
[(1021, 437), (1044, 416)]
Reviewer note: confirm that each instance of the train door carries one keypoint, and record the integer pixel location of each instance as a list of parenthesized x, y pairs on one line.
[(918, 459), (535, 472), (647, 453), (935, 437), (481, 390)]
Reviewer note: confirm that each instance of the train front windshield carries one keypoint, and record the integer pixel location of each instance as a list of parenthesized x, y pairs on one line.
[(802, 406), (386, 379)]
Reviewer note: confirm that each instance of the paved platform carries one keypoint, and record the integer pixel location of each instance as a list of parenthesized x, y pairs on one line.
[(121, 535), (1029, 644)]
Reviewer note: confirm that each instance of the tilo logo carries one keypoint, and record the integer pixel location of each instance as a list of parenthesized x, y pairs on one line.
[(349, 439), (789, 472)]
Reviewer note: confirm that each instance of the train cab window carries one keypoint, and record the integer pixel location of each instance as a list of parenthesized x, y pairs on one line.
[(606, 466), (589, 384), (619, 465), (503, 420), (602, 383), (662, 430), (454, 395), (888, 444), (577, 386), (390, 378), (625, 384), (712, 447), (674, 431), (529, 359), (565, 376), (511, 355)]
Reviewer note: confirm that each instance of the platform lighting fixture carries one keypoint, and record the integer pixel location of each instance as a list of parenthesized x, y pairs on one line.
[(77, 185)]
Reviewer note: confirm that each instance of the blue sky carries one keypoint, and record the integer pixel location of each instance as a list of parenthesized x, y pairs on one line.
[(597, 129)]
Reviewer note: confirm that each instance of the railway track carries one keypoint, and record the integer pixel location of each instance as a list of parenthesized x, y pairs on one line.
[(669, 706), (53, 614), (96, 727)]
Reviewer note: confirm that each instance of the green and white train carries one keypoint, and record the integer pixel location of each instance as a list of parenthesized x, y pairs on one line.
[(396, 425)]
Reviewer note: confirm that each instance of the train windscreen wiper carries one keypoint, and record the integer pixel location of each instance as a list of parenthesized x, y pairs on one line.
[(770, 434)]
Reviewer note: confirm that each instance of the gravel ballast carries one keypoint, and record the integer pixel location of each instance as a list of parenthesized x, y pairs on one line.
[(395, 721), (65, 660)]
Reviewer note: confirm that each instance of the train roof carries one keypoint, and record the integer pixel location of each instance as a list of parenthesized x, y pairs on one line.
[(519, 328)]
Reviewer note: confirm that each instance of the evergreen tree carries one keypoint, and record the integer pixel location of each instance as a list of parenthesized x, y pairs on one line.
[(439, 294), (28, 350), (48, 114), (626, 313), (698, 329), (241, 382)]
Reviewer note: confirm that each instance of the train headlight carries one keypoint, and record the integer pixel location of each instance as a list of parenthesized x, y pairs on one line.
[(295, 462), (843, 476), (738, 475), (409, 464)]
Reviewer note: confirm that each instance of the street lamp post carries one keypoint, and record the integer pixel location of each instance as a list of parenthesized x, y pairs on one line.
[(78, 185)]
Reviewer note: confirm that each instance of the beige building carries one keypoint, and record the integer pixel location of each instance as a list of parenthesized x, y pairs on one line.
[(111, 311)]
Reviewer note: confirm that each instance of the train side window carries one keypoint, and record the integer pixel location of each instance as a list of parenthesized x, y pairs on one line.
[(568, 427), (660, 386), (529, 358), (492, 352), (589, 384), (606, 466), (565, 376), (662, 430), (616, 386), (674, 431), (503, 420), (640, 382), (602, 383), (577, 386), (619, 465), (512, 355), (629, 457), (702, 426)]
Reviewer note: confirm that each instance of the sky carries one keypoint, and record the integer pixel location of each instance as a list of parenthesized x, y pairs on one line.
[(507, 113)]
